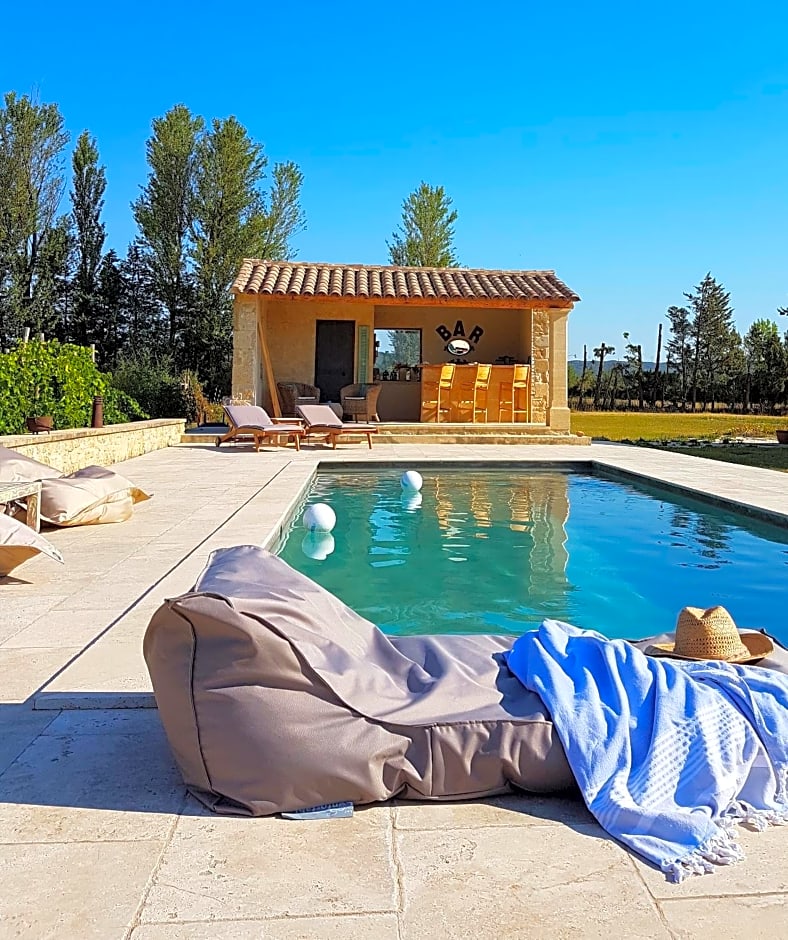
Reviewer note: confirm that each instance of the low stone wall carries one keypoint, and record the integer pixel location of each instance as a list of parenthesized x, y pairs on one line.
[(76, 448)]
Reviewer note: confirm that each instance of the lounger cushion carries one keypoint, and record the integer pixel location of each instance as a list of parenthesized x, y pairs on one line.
[(276, 696), (89, 496), (18, 543), (323, 417)]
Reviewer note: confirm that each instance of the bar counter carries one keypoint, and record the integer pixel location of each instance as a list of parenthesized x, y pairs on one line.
[(476, 394)]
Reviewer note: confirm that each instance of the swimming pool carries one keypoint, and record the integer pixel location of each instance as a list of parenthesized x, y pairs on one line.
[(498, 551)]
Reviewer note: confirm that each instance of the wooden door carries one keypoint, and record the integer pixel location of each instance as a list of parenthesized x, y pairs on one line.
[(335, 344)]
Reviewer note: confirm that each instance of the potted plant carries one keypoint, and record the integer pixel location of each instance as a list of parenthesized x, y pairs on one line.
[(39, 423), (40, 408), (782, 435)]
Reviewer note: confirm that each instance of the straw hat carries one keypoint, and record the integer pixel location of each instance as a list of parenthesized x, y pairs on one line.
[(712, 634)]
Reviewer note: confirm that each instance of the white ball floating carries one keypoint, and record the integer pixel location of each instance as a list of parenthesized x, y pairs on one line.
[(411, 480), (318, 545), (319, 517)]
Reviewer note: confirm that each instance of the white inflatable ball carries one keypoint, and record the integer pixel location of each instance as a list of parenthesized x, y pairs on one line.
[(318, 545), (319, 517), (411, 480), (411, 500)]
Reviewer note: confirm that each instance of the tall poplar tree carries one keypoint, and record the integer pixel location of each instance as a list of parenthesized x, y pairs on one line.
[(33, 240), (87, 201), (232, 218), (163, 211), (282, 215), (425, 237)]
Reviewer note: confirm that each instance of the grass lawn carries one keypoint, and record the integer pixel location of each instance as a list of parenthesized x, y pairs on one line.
[(690, 430), (634, 426), (773, 458)]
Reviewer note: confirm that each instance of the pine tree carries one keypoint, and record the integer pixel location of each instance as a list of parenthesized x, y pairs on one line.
[(599, 353), (426, 236), (765, 364), (679, 349), (145, 318), (712, 333)]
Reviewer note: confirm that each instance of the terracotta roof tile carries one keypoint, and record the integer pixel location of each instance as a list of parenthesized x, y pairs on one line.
[(297, 279)]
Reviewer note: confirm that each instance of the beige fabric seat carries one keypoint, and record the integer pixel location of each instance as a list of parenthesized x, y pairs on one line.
[(88, 496), (18, 543), (276, 696)]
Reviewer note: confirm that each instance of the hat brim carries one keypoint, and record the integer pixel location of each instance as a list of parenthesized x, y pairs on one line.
[(758, 647)]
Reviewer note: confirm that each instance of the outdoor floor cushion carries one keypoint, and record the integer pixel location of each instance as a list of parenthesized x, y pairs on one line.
[(275, 696), (89, 496), (86, 497), (18, 542), (16, 467)]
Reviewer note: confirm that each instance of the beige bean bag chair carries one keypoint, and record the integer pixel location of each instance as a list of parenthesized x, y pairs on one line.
[(86, 497), (275, 696), (18, 543)]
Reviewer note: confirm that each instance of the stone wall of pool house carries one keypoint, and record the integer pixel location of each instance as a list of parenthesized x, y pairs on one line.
[(540, 366), (75, 448), (247, 380)]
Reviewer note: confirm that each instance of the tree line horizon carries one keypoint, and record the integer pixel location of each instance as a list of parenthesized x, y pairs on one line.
[(210, 199)]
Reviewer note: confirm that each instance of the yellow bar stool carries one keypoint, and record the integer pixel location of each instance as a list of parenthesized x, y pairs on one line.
[(515, 395), (436, 383), (481, 388)]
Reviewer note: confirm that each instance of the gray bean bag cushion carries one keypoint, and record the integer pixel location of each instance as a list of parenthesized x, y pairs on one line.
[(276, 696)]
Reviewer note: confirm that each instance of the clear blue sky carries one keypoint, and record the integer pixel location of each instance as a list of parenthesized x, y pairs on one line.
[(630, 147)]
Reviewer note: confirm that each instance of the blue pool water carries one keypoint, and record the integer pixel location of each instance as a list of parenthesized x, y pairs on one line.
[(498, 551)]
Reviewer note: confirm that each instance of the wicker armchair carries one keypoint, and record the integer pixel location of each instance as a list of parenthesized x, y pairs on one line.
[(296, 393), (360, 401)]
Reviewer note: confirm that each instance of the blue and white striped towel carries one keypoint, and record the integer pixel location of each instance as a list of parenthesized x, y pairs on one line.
[(668, 755)]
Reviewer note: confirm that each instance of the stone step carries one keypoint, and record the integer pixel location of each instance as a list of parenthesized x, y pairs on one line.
[(439, 434)]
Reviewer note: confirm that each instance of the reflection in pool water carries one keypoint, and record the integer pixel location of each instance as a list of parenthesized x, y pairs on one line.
[(498, 551)]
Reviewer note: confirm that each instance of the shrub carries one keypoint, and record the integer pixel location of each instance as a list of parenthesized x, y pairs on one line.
[(58, 379), (151, 380)]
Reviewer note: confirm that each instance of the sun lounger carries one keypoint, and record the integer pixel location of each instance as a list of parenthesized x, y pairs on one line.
[(322, 419), (254, 421)]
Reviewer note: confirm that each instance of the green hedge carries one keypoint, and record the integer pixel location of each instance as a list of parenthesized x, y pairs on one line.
[(61, 380)]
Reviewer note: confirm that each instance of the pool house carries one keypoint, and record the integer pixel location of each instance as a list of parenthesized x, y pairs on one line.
[(422, 345)]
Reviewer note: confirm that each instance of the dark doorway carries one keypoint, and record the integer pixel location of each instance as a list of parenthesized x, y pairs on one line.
[(335, 344)]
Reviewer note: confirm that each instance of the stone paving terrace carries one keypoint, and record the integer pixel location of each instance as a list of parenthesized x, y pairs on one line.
[(98, 838)]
